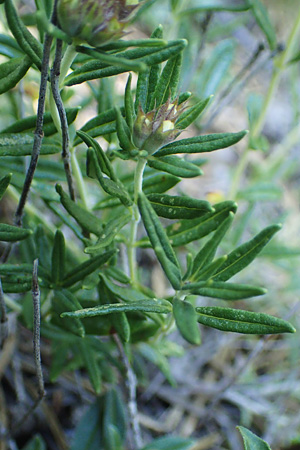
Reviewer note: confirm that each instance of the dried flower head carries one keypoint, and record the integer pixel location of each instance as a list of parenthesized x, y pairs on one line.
[(95, 21)]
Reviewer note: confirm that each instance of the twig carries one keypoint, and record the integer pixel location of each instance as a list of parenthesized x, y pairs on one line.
[(131, 391), (55, 77), (36, 329), (36, 346), (3, 322), (38, 134)]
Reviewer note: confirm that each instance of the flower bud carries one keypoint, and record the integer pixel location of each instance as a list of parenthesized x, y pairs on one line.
[(156, 128), (94, 21)]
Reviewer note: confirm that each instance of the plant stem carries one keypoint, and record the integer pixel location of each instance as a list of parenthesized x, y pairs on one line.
[(279, 66), (131, 383), (138, 182), (36, 329), (38, 134), (3, 320), (55, 76)]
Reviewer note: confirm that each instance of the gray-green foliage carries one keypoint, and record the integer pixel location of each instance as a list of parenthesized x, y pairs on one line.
[(81, 248)]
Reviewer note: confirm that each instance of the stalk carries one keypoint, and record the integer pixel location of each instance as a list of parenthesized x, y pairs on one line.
[(138, 182)]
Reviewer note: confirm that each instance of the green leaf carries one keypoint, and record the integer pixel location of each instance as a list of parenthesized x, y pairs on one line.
[(29, 123), (158, 183), (9, 47), (141, 91), (208, 251), (129, 105), (126, 294), (243, 255), (86, 268), (186, 321), (166, 86), (160, 242), (174, 207), (201, 144), (251, 441), (103, 161), (121, 325), (115, 189), (154, 72), (110, 230), (215, 68), (262, 18), (4, 183), (21, 145), (114, 415), (58, 257), (147, 55), (140, 306), (191, 114), (83, 217), (12, 72), (24, 38), (36, 443), (261, 192), (89, 358), (123, 132), (88, 433), (100, 125), (185, 231), (170, 443), (175, 166), (65, 300), (218, 5), (209, 270), (239, 321), (10, 233), (225, 291)]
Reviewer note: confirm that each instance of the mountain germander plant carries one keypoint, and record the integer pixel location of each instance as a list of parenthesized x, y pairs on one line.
[(75, 251)]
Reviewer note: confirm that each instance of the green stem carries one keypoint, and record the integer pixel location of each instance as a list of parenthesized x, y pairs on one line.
[(279, 66), (66, 63), (79, 178), (138, 182)]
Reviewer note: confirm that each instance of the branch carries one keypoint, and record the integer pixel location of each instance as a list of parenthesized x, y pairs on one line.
[(131, 392), (55, 77)]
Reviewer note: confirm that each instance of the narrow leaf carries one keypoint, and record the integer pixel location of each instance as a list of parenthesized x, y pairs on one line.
[(110, 230), (186, 321), (86, 268), (83, 217), (225, 291), (103, 161), (174, 207), (4, 183), (262, 17), (64, 300), (24, 38), (191, 114), (243, 255), (175, 166), (185, 231), (12, 72), (239, 321), (58, 257), (10, 233), (208, 251), (160, 242), (20, 144), (147, 55), (140, 306), (89, 357), (201, 144), (251, 441)]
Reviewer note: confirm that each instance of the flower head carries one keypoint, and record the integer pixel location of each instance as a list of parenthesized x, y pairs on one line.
[(156, 128), (95, 21)]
